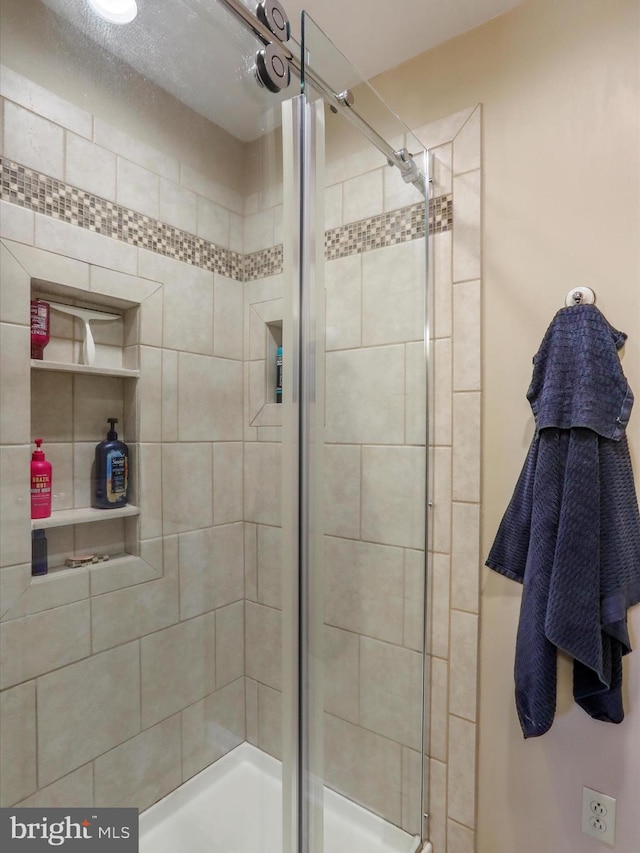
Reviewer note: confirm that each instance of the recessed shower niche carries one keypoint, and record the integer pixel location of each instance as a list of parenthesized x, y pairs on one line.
[(70, 404), (265, 336), (67, 405)]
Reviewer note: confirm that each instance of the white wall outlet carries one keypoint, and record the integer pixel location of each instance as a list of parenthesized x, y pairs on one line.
[(599, 816)]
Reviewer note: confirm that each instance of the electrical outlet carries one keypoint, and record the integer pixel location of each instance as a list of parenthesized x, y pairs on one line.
[(599, 816)]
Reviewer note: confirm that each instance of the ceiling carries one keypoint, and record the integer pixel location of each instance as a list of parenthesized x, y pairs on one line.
[(375, 38), (202, 55)]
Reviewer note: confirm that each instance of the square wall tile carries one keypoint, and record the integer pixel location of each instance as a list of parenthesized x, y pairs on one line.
[(365, 396), (211, 568), (177, 668), (393, 294), (393, 495), (209, 398), (188, 309), (33, 141), (364, 588), (85, 709)]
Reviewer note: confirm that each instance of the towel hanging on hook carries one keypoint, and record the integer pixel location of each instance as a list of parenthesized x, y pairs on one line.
[(580, 296)]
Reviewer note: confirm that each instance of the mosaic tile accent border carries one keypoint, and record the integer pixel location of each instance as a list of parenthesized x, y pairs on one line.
[(31, 189), (387, 229), (52, 197)]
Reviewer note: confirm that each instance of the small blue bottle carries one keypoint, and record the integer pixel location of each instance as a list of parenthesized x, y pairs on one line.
[(111, 481), (279, 375)]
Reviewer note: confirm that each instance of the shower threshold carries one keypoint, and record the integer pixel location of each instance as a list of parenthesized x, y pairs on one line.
[(235, 806)]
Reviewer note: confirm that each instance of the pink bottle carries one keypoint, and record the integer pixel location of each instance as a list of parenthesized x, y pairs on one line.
[(39, 327), (40, 484)]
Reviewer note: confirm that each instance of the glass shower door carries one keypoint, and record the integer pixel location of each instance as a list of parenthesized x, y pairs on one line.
[(364, 680)]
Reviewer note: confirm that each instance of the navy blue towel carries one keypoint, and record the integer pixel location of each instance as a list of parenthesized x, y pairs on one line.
[(571, 532)]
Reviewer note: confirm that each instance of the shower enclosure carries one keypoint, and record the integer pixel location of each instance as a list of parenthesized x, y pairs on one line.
[(249, 667)]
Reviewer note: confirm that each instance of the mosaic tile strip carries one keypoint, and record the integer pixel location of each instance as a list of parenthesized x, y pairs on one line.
[(43, 194), (387, 229), (51, 197), (263, 263)]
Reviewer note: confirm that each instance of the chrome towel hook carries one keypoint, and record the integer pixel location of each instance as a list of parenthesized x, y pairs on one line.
[(580, 296)]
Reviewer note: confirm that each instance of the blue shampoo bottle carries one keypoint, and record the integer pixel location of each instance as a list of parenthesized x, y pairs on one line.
[(111, 482)]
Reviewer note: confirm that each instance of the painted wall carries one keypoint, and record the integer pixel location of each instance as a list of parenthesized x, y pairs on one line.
[(559, 84)]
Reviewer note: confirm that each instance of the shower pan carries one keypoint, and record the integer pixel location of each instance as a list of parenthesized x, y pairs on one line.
[(249, 666)]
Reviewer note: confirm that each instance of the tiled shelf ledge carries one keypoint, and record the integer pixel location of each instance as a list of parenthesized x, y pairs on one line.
[(66, 367), (60, 572), (85, 515)]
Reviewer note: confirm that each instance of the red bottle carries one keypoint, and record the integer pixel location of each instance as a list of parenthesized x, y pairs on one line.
[(40, 484), (39, 327)]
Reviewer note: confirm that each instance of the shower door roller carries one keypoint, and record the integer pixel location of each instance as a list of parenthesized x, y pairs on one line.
[(272, 68), (273, 16)]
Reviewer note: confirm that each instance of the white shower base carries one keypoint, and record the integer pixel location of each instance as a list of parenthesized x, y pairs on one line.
[(235, 806)]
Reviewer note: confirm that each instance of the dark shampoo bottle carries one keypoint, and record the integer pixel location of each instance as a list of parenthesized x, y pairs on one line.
[(111, 481)]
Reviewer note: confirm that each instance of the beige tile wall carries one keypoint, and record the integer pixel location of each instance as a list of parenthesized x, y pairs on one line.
[(457, 282), (114, 694), (374, 502)]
